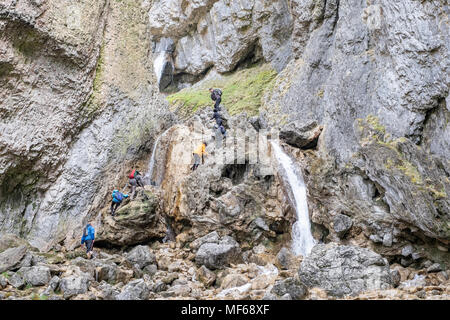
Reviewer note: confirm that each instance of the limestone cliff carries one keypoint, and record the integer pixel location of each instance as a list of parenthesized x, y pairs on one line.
[(77, 105)]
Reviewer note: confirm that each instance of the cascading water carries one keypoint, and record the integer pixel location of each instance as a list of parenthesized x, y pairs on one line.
[(151, 165), (302, 239), (158, 65)]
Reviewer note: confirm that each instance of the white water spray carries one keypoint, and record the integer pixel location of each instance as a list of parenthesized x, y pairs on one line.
[(158, 65), (151, 164), (302, 239)]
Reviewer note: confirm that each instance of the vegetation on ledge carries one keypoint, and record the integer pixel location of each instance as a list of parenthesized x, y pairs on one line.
[(242, 92)]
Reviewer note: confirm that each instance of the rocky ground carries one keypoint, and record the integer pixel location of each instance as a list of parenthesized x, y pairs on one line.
[(204, 270)]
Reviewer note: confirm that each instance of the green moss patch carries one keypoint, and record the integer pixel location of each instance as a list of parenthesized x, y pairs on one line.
[(242, 92)]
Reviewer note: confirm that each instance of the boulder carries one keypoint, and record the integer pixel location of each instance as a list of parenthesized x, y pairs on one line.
[(291, 286), (134, 290), (135, 222), (234, 280), (151, 269), (285, 258), (11, 259), (407, 250), (142, 256), (11, 241), (206, 276), (107, 291), (75, 284), (3, 282), (436, 267), (218, 255), (36, 275), (212, 237), (341, 224), (302, 135), (17, 281), (52, 286), (344, 270)]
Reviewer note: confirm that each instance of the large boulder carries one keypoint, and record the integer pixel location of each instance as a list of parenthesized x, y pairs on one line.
[(345, 270), (300, 134), (75, 284), (36, 275), (135, 222), (218, 255), (135, 290), (142, 256), (12, 258), (9, 240), (291, 286)]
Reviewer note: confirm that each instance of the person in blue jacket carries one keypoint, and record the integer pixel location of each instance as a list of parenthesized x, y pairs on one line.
[(117, 198), (88, 238)]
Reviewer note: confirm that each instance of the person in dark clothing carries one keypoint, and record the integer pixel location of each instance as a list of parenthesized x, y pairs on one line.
[(223, 131), (88, 238), (216, 95), (117, 198), (217, 117), (135, 181)]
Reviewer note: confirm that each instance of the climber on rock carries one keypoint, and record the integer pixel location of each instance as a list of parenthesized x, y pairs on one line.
[(199, 152), (117, 198), (216, 95), (135, 180), (223, 131), (88, 238), (217, 117)]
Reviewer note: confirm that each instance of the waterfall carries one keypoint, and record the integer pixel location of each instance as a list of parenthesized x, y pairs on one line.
[(302, 239), (158, 65), (151, 164)]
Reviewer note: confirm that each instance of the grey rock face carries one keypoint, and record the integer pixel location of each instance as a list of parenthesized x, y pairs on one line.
[(352, 62), (220, 34), (291, 286), (218, 255), (36, 275), (53, 165), (341, 224), (135, 290), (142, 256), (344, 270), (11, 258), (75, 284)]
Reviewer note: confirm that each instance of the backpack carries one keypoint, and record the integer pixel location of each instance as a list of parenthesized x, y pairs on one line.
[(218, 92), (117, 195), (131, 176), (85, 232)]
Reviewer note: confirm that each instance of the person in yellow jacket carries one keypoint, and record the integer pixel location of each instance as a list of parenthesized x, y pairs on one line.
[(199, 152)]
